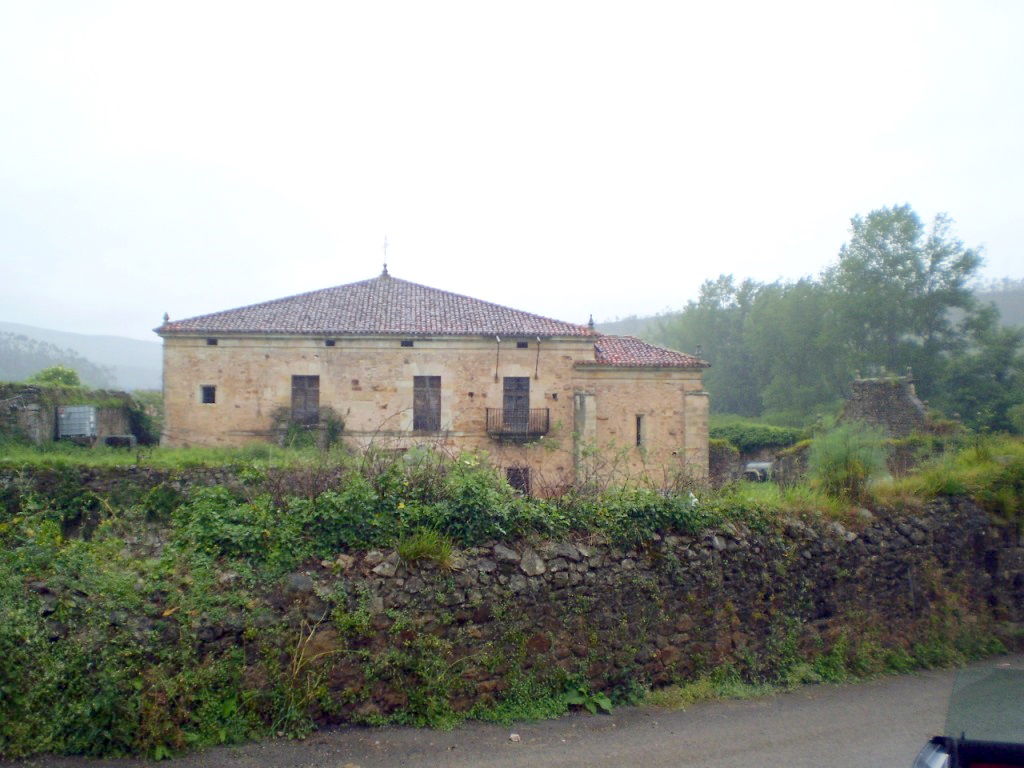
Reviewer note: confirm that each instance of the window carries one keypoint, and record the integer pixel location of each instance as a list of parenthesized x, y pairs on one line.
[(209, 394), (516, 403), (519, 478), (426, 403), (406, 342), (328, 342), (522, 345), (306, 399), (639, 430), (211, 342)]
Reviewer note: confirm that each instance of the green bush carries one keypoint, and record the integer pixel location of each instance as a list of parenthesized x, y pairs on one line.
[(749, 436), (844, 460), (56, 376)]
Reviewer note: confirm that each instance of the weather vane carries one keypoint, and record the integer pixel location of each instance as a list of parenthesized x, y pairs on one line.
[(385, 254)]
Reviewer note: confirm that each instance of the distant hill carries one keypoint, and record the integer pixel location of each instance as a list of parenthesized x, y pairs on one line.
[(20, 357), (126, 363)]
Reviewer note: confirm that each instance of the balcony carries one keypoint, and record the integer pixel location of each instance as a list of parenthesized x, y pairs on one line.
[(519, 425)]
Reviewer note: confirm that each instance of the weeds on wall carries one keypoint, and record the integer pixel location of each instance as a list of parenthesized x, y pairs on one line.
[(108, 654)]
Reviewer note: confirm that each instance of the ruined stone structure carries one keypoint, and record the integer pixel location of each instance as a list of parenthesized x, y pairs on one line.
[(399, 364), (890, 403), (31, 412)]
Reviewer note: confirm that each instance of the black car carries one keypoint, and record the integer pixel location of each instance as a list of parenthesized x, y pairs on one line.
[(985, 724)]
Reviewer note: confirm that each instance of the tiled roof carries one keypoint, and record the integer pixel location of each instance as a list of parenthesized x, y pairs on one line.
[(630, 352), (383, 305)]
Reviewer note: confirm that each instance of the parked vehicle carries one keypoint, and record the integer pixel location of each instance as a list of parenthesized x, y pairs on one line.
[(985, 723)]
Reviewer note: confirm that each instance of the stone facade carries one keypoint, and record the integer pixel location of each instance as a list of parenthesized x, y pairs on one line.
[(625, 418)]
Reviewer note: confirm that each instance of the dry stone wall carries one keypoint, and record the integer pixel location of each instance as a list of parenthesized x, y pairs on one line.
[(889, 403), (382, 631), (616, 617)]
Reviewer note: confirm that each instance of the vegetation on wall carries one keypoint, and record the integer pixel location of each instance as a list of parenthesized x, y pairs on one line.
[(748, 436), (102, 648)]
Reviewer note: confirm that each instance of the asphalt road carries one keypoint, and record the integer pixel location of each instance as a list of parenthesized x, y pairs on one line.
[(878, 724)]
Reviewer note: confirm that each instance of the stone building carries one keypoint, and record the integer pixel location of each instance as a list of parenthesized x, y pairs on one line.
[(395, 363)]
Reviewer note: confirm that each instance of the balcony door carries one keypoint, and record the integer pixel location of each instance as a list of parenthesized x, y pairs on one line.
[(516, 403)]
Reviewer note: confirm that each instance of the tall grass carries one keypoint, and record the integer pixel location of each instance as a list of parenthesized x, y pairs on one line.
[(990, 470), (843, 461)]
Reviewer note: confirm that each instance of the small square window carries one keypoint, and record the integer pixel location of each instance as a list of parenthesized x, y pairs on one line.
[(522, 345), (406, 342), (328, 342), (211, 342), (209, 394)]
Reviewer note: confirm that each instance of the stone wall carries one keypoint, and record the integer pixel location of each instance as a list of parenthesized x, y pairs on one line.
[(889, 403), (650, 615), (31, 412), (613, 616)]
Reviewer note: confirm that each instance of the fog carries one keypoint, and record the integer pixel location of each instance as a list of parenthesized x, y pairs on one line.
[(567, 159)]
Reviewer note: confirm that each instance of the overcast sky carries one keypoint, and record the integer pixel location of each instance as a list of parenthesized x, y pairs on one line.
[(562, 158)]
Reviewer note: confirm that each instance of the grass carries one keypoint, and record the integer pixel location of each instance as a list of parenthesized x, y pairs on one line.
[(65, 454), (794, 500), (990, 470), (724, 683), (426, 544)]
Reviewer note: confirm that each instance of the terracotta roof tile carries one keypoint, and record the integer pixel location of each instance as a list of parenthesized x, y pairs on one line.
[(630, 352), (382, 305)]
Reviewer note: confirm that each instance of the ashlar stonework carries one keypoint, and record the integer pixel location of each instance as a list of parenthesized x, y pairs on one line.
[(401, 364)]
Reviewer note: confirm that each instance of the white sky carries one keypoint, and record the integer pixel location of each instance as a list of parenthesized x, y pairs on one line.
[(561, 158)]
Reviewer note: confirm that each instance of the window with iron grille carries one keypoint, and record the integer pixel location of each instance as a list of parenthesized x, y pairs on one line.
[(519, 478), (516, 402), (305, 399), (426, 403)]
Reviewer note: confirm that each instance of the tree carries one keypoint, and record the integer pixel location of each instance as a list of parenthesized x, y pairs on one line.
[(790, 338), (715, 324), (986, 383), (894, 286), (56, 376)]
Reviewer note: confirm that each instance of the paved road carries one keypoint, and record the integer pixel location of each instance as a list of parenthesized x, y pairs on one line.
[(875, 724)]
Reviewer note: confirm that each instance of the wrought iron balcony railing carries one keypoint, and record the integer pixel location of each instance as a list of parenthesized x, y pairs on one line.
[(518, 423)]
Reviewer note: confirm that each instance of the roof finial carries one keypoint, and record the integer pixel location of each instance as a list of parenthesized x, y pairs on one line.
[(590, 323), (385, 272), (167, 318)]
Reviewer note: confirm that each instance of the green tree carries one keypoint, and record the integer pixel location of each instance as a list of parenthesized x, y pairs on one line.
[(716, 324), (790, 337), (985, 383), (894, 287), (56, 376)]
